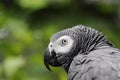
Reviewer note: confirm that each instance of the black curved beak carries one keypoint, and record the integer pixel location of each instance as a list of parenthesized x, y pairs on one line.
[(50, 59)]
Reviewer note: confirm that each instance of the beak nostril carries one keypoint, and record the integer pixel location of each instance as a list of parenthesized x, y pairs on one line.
[(50, 45)]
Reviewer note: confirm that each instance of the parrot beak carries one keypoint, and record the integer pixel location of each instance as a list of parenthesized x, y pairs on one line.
[(47, 59), (50, 59)]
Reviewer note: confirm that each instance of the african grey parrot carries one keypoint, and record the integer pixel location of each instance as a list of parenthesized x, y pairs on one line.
[(84, 53)]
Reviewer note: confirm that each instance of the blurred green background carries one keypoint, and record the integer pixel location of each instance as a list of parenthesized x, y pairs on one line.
[(26, 26)]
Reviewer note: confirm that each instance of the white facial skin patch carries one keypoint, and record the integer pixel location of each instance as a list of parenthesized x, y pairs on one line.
[(61, 45)]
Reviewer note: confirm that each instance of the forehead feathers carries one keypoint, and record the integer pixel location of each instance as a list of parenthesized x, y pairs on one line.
[(64, 32), (73, 32)]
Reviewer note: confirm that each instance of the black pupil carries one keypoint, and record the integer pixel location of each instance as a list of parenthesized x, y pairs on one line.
[(64, 41)]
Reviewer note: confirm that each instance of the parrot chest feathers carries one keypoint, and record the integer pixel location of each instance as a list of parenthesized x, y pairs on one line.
[(103, 63)]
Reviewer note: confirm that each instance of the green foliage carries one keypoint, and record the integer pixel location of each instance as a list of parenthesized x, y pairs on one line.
[(26, 27)]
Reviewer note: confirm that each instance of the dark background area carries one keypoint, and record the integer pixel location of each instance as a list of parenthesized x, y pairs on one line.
[(27, 25)]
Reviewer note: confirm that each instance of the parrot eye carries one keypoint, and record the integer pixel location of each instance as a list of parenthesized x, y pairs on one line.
[(64, 41)]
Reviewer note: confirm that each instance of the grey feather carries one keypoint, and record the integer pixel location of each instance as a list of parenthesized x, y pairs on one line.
[(100, 64), (92, 56)]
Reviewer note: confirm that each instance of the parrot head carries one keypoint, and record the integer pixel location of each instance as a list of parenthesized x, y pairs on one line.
[(60, 49), (66, 44)]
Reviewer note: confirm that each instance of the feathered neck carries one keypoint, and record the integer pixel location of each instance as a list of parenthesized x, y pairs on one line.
[(87, 39)]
